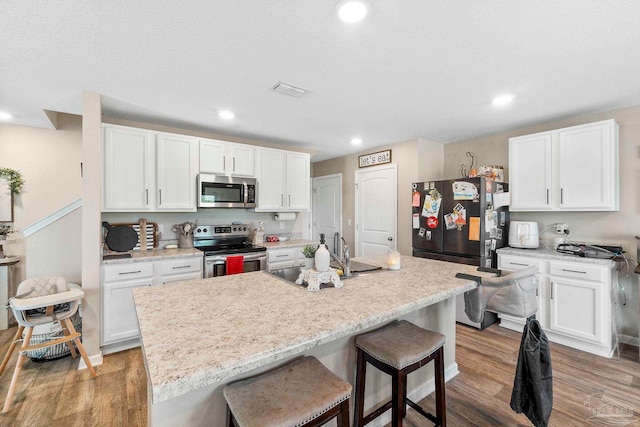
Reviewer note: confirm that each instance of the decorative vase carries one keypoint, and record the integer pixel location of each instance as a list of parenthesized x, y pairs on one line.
[(322, 258), (308, 263)]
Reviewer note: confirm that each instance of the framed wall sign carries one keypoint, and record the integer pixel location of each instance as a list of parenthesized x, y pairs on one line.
[(6, 202), (374, 159)]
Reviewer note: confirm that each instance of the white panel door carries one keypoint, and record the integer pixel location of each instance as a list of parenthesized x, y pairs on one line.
[(327, 210), (128, 169), (530, 174), (176, 168), (376, 210), (588, 167)]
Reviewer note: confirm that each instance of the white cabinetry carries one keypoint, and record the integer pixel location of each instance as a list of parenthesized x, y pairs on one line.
[(147, 171), (574, 301), (283, 181), (179, 269), (176, 172), (227, 158), (119, 320), (572, 169), (128, 169), (281, 258), (285, 257)]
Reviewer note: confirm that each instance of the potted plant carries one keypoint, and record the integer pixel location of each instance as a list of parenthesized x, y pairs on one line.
[(5, 229), (309, 252)]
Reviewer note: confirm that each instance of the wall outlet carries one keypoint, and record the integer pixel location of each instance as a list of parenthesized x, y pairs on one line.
[(562, 228)]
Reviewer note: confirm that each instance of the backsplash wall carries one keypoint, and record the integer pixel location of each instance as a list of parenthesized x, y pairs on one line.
[(165, 220)]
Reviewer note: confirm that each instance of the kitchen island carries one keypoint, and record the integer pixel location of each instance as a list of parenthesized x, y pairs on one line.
[(199, 335)]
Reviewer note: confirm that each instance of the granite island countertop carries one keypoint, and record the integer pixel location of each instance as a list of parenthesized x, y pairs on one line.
[(201, 332)]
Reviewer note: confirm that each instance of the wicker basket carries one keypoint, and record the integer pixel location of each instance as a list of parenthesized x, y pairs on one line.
[(53, 352)]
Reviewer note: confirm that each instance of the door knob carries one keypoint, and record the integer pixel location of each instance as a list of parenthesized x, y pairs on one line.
[(389, 238)]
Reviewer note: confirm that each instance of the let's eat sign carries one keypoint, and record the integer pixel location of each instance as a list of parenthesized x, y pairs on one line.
[(374, 159)]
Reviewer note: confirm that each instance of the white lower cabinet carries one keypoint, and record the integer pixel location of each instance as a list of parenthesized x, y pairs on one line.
[(574, 301), (119, 330), (285, 257), (281, 258), (119, 321)]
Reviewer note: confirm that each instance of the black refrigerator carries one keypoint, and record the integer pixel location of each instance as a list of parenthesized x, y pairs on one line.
[(460, 220)]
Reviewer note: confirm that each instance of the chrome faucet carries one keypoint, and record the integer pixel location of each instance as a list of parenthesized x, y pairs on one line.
[(344, 262)]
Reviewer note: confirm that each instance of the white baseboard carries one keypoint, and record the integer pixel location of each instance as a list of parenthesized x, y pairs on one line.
[(96, 360), (628, 339), (418, 394)]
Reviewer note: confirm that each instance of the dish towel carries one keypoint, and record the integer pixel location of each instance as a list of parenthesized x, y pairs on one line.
[(235, 264)]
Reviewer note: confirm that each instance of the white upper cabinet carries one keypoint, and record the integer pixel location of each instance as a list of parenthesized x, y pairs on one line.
[(176, 172), (589, 167), (146, 171), (298, 181), (572, 169), (283, 180), (226, 158), (129, 168), (530, 172)]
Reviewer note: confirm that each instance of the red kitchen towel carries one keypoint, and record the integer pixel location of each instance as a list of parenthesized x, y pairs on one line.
[(235, 264)]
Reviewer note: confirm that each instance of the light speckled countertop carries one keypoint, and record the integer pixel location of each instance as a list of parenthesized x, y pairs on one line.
[(155, 255), (288, 244), (201, 332), (551, 255)]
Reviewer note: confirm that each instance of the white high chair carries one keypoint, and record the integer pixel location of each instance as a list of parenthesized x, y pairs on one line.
[(40, 301)]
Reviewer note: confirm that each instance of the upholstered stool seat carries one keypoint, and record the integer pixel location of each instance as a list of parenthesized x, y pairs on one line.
[(399, 349), (301, 393)]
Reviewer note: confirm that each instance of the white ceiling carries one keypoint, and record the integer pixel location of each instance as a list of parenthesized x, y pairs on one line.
[(413, 68)]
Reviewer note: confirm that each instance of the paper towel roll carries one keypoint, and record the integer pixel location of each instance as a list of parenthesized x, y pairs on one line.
[(285, 216)]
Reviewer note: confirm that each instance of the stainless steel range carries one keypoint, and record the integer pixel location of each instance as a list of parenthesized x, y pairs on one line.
[(219, 241)]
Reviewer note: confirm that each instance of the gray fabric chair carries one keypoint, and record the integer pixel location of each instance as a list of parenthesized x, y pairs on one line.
[(513, 294)]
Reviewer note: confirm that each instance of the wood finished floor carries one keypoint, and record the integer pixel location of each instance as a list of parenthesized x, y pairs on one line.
[(57, 394)]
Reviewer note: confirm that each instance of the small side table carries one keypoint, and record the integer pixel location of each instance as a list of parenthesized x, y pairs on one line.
[(315, 278)]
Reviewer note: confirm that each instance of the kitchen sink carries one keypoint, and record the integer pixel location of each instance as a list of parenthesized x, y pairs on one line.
[(291, 274)]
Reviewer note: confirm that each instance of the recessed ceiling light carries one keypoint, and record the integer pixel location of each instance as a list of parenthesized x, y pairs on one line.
[(5, 116), (356, 141), (503, 100), (352, 10), (226, 115)]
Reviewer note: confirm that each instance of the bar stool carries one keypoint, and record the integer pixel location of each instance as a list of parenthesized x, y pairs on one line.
[(399, 349), (301, 393)]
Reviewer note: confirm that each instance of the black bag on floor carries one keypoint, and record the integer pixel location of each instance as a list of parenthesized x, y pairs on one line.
[(533, 387)]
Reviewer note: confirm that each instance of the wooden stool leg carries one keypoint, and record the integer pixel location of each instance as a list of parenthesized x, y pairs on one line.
[(361, 371), (441, 404), (14, 380), (343, 416), (230, 422), (12, 347), (80, 347), (66, 332), (398, 383)]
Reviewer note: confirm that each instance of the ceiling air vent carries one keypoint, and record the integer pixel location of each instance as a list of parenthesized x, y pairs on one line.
[(288, 89)]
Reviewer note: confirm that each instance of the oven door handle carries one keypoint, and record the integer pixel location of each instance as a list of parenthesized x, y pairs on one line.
[(223, 258)]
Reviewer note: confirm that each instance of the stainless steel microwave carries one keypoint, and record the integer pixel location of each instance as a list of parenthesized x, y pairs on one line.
[(221, 191)]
